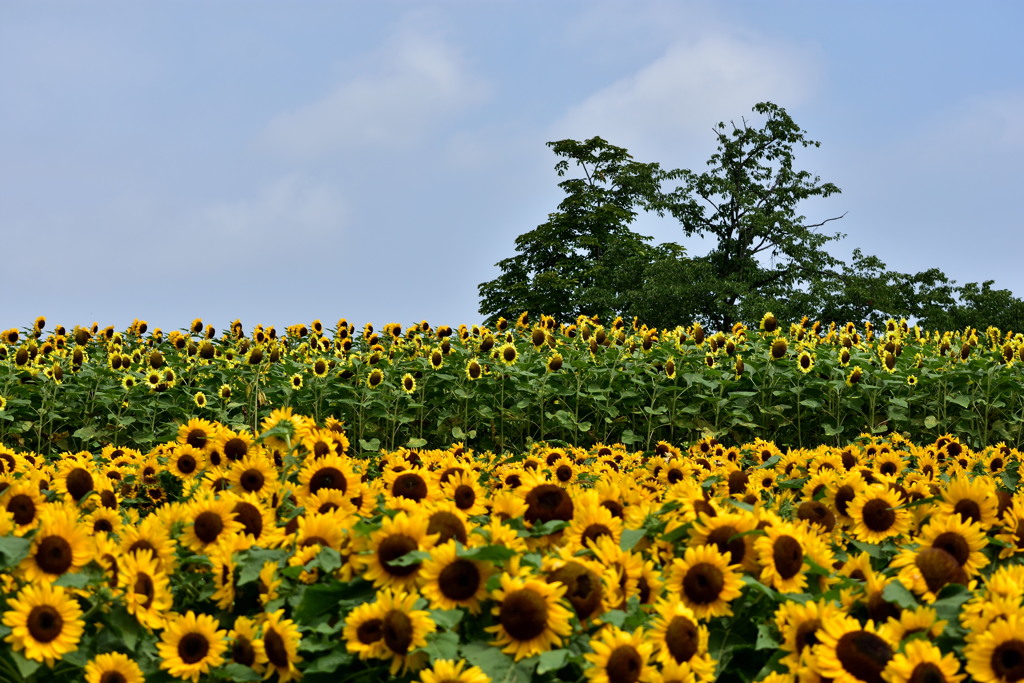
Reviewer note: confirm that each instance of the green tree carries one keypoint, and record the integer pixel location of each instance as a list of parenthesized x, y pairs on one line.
[(583, 260), (748, 202)]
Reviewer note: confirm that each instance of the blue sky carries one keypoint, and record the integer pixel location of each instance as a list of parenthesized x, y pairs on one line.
[(281, 162)]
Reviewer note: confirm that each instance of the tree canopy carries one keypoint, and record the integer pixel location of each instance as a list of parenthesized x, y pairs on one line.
[(765, 255)]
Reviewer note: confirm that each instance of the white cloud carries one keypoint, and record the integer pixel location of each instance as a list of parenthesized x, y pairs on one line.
[(416, 83), (289, 207), (674, 100)]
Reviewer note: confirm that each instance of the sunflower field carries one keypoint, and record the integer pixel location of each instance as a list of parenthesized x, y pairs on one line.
[(537, 501)]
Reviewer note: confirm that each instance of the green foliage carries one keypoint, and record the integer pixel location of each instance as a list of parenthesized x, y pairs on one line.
[(765, 256)]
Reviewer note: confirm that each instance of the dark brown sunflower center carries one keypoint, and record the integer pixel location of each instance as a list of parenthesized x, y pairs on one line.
[(196, 438), (187, 464), (448, 525), (722, 538), (583, 587), (397, 631), (393, 547), (242, 651), (276, 650), (878, 515), (594, 532), (864, 655), (564, 473), (547, 502), (79, 482), (614, 507), (113, 677), (807, 634), (939, 568), (108, 499), (44, 623), (208, 526), (460, 580), (144, 586), (193, 647), (370, 631), (816, 512), (465, 497), (409, 485), (321, 449), (22, 508), (624, 665), (968, 509), (954, 544), (788, 555), (54, 555), (235, 448), (682, 639), (927, 672), (844, 495), (703, 583), (523, 614), (1008, 660), (250, 517), (327, 478), (252, 480)]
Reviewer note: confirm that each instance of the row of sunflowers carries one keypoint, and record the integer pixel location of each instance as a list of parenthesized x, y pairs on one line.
[(279, 553), (503, 387)]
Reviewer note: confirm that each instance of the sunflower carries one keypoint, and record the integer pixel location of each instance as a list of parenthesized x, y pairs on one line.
[(245, 646), (147, 590), (153, 535), (209, 521), (972, 498), (450, 581), (397, 536), (281, 645), (785, 551), (618, 656), (199, 399), (449, 671), (680, 638), (591, 522), (45, 622), (24, 502), (404, 630), (964, 540), (197, 433), (186, 461), (878, 514), (850, 653), (855, 375), (530, 616), (705, 581), (60, 545), (295, 381), (474, 370), (463, 489), (257, 519), (805, 361), (364, 631), (113, 667), (375, 378), (329, 472), (584, 588), (410, 488), (507, 353), (324, 530), (798, 623), (997, 655), (778, 349), (408, 383), (254, 473), (191, 645), (921, 661)]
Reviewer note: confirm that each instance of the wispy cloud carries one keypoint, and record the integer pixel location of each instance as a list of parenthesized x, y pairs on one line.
[(675, 99), (417, 81), (289, 207)]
